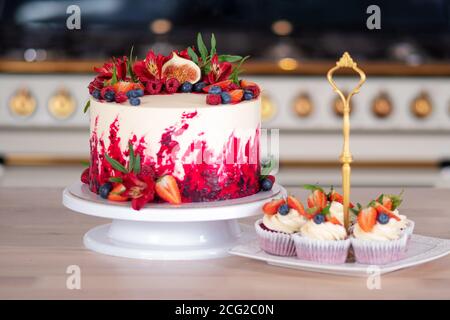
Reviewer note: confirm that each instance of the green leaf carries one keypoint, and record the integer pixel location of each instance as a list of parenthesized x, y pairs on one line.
[(116, 164), (354, 211), (229, 58), (266, 168), (132, 157), (213, 45), (85, 163), (312, 210), (130, 66), (116, 179), (193, 55), (326, 210), (201, 47), (312, 187), (235, 73), (87, 105), (380, 198), (137, 164), (114, 75)]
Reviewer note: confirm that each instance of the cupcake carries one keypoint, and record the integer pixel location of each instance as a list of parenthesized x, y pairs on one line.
[(381, 234), (282, 218), (323, 238)]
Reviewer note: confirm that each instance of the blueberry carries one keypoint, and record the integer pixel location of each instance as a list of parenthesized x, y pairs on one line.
[(105, 189), (226, 98), (139, 93), (198, 87), (186, 87), (319, 218), (131, 94), (383, 218), (215, 90), (266, 184), (96, 94), (248, 95), (283, 209), (135, 101), (110, 96)]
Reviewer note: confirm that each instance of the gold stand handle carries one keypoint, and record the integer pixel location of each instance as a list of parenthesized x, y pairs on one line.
[(346, 157)]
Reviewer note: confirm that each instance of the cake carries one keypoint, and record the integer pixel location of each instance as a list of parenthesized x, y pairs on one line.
[(178, 128), (381, 234)]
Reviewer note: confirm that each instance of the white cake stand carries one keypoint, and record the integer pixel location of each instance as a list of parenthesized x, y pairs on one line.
[(164, 231)]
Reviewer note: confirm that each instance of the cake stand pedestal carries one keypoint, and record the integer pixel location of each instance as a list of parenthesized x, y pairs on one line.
[(163, 231)]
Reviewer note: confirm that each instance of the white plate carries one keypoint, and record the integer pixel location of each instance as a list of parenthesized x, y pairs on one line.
[(422, 249), (79, 198)]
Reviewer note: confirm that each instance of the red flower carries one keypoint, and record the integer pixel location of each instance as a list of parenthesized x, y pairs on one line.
[(140, 191), (149, 68), (219, 71), (105, 72)]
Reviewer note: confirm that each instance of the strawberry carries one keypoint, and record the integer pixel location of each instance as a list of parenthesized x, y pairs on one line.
[(222, 84), (245, 83), (334, 220), (236, 95), (390, 201), (317, 199), (382, 209), (251, 86), (367, 218), (167, 189), (123, 86), (297, 205), (272, 206), (116, 193), (334, 196)]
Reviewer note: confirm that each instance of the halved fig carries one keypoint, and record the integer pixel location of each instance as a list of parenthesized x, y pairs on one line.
[(182, 69)]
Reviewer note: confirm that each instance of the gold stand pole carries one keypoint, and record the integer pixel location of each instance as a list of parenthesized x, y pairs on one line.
[(346, 157)]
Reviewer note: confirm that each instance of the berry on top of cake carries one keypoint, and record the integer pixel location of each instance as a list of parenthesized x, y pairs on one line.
[(194, 69)]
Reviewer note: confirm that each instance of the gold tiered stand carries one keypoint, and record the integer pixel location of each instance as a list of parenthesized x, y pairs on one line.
[(346, 157)]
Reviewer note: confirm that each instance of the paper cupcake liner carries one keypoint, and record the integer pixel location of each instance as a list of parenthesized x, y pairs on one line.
[(276, 243), (382, 252), (322, 251)]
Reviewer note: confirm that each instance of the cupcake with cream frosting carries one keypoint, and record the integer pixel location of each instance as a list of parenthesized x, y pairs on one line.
[(323, 238), (282, 218), (381, 234)]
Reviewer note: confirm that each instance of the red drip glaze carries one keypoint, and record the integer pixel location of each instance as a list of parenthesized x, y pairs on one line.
[(234, 176)]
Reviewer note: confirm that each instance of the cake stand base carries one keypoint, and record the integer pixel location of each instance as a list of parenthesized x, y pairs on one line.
[(166, 232)]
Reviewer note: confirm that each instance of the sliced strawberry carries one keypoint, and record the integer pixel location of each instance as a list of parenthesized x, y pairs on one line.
[(272, 206), (236, 95), (317, 199), (367, 218), (334, 196), (294, 203), (245, 83), (123, 86), (386, 202), (116, 194), (167, 189), (222, 84), (333, 220), (382, 209)]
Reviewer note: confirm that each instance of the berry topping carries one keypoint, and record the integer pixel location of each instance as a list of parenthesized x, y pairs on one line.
[(271, 178), (382, 209), (120, 97), (319, 218), (108, 94), (248, 95), (334, 196), (272, 206), (213, 99), (146, 171), (383, 218), (236, 95), (167, 189), (153, 86), (85, 176), (117, 193), (105, 189), (96, 94), (296, 205), (198, 87), (135, 101), (317, 199), (266, 184), (186, 87), (283, 209), (214, 89), (367, 218), (123, 86), (226, 98), (172, 85)]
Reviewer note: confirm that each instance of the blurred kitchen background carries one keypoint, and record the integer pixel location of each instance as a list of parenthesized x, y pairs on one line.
[(400, 120)]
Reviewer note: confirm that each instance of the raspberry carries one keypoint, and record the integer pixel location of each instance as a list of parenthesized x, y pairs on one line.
[(232, 86), (213, 99), (255, 90), (172, 85), (153, 86), (85, 176), (121, 97)]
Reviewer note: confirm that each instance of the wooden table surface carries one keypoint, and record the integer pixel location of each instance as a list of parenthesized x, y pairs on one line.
[(39, 239)]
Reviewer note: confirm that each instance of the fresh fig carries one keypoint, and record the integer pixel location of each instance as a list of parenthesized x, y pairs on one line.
[(182, 69)]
